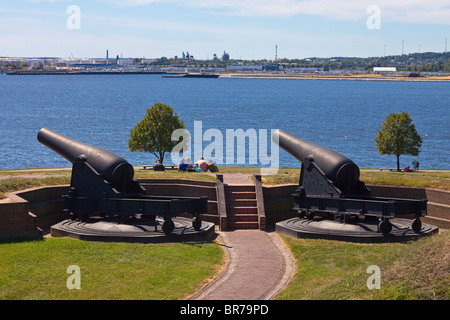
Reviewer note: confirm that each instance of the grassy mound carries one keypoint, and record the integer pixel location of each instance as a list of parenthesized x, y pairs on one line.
[(338, 270)]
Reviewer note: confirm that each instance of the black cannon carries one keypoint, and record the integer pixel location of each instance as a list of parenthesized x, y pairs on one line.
[(103, 183), (329, 185)]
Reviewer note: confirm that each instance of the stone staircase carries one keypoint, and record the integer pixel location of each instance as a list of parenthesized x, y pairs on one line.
[(241, 206)]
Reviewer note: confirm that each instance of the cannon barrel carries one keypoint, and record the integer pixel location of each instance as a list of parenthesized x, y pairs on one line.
[(339, 169), (112, 167)]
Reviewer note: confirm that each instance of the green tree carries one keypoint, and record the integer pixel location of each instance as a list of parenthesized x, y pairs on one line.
[(398, 136), (153, 133)]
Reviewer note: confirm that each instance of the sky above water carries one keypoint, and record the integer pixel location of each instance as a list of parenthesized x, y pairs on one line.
[(246, 29)]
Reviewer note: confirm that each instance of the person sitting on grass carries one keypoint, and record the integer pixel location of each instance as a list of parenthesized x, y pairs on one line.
[(183, 165), (202, 164), (158, 166), (189, 166), (212, 166)]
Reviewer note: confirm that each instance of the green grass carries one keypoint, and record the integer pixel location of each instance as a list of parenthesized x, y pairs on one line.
[(12, 184), (335, 270), (14, 180), (38, 269), (437, 179), (284, 176), (174, 174)]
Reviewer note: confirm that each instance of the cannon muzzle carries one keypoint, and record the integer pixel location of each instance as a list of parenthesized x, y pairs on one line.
[(110, 166), (342, 171)]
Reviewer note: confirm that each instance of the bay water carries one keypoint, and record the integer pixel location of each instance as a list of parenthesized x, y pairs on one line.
[(102, 109)]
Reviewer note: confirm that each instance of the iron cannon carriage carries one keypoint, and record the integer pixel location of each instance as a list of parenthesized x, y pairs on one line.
[(103, 183), (329, 185)]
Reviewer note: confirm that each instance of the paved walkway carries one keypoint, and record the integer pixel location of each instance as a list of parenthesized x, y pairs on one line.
[(258, 268), (237, 178)]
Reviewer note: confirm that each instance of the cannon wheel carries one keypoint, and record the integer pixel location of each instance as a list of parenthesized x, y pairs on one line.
[(416, 225), (73, 216), (168, 226), (310, 215), (197, 223), (301, 213), (385, 226), (147, 217), (123, 218)]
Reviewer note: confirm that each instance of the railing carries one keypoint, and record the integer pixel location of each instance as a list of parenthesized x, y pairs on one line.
[(260, 202), (221, 202)]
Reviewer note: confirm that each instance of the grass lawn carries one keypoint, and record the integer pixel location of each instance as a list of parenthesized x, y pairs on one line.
[(325, 269), (14, 180), (16, 183), (38, 269), (335, 270), (436, 179)]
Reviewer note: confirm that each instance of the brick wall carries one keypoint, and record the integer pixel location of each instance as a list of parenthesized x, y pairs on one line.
[(26, 211), (15, 219), (438, 205), (278, 202), (185, 188)]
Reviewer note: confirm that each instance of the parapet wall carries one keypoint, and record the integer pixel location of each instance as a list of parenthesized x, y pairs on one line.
[(33, 211), (29, 212), (438, 205), (185, 188), (278, 203), (15, 219)]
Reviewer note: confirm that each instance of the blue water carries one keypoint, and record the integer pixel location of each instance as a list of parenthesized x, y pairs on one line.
[(102, 109)]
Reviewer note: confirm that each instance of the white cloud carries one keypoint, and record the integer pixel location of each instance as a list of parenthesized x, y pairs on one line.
[(409, 11)]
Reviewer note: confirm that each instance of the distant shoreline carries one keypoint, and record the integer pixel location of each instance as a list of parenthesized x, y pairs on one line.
[(352, 77), (284, 76), (36, 73)]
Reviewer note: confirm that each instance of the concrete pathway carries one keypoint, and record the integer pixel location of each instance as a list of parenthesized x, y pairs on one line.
[(259, 267)]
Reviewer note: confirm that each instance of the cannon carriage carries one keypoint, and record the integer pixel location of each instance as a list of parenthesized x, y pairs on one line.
[(329, 186), (103, 183)]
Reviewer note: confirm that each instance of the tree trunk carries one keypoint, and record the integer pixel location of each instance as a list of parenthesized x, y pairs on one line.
[(398, 162)]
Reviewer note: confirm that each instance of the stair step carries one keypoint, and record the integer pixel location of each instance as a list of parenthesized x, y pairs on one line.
[(242, 225), (438, 210), (242, 210), (241, 203), (243, 218), (244, 188), (240, 195), (241, 206)]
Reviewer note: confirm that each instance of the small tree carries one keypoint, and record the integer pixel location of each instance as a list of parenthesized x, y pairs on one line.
[(153, 133), (398, 136)]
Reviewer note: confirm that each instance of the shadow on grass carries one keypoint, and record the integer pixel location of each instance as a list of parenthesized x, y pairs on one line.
[(19, 239)]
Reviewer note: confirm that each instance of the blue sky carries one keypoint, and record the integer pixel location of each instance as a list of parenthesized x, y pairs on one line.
[(246, 29)]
